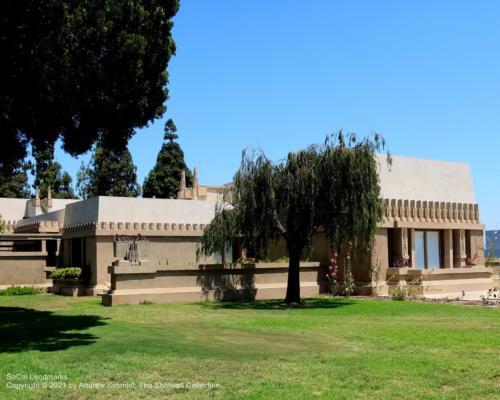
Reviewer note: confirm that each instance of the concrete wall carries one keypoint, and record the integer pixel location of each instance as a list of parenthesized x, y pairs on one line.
[(103, 259), (23, 268), (17, 209), (380, 256), (164, 251), (135, 284), (477, 247), (81, 212), (51, 216), (320, 250), (60, 204), (128, 209), (420, 179), (13, 209)]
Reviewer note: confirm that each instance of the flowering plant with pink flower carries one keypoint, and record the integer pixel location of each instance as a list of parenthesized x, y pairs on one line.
[(332, 275)]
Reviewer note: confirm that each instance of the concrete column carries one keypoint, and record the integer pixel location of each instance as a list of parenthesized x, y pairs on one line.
[(459, 251), (411, 250), (44, 246), (59, 255), (400, 244), (448, 248)]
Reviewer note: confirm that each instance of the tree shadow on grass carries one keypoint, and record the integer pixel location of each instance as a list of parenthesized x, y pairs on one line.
[(313, 303), (23, 329)]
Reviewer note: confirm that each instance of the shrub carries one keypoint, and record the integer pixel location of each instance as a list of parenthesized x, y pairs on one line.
[(20, 291), (492, 294), (407, 290), (66, 273), (400, 293)]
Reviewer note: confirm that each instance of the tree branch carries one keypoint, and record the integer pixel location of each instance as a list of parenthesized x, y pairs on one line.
[(279, 225)]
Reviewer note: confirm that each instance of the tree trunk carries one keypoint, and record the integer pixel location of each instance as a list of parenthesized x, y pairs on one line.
[(293, 288)]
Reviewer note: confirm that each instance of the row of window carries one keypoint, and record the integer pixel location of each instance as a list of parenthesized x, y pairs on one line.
[(428, 247)]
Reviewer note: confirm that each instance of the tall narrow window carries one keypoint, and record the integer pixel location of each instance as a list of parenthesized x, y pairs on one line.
[(419, 249), (427, 249), (432, 244)]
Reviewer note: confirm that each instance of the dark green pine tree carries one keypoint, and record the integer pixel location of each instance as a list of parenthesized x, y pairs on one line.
[(163, 180), (111, 172), (48, 173), (77, 70)]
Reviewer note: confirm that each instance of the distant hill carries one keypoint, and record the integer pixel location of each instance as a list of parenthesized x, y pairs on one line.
[(492, 236)]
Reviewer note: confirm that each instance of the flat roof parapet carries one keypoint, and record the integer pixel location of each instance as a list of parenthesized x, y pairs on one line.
[(104, 228)]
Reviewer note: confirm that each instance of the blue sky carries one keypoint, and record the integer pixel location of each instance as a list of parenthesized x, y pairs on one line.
[(282, 74)]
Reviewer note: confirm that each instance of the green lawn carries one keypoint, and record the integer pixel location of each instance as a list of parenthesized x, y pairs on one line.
[(330, 349)]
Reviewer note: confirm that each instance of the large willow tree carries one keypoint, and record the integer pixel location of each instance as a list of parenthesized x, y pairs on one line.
[(332, 187)]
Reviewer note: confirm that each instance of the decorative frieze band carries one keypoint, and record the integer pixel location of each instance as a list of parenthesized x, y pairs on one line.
[(135, 226), (32, 226), (10, 226), (429, 211)]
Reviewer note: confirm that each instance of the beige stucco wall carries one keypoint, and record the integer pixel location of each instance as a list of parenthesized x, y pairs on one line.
[(17, 209), (477, 246), (164, 251), (129, 209), (380, 257), (420, 179), (22, 269), (51, 216), (13, 209), (320, 250), (131, 285), (104, 258)]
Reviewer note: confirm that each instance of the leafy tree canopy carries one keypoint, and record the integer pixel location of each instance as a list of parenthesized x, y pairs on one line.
[(334, 187), (163, 180), (14, 179), (81, 69), (111, 172), (48, 174)]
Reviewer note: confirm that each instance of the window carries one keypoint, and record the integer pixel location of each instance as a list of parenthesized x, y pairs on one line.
[(51, 260), (427, 249)]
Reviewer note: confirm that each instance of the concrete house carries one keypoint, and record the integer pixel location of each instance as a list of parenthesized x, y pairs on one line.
[(135, 249)]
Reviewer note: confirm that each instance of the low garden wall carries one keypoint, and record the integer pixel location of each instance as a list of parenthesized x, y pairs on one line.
[(444, 281), (24, 268), (134, 284)]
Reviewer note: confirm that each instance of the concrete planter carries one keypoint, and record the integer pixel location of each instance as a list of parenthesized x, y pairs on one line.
[(70, 287)]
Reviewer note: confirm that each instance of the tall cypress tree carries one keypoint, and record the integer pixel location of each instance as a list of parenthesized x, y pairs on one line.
[(48, 173), (111, 172), (163, 180)]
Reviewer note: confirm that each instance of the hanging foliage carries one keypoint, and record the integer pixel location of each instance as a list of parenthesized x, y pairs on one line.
[(220, 232)]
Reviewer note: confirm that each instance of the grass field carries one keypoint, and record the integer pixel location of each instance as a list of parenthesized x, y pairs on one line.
[(331, 349)]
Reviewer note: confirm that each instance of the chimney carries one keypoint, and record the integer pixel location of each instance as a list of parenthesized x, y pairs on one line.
[(49, 198), (195, 178), (182, 185), (37, 197)]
